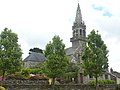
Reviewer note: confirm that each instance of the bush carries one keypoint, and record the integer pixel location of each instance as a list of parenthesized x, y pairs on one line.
[(38, 77), (10, 77), (102, 82), (25, 72), (36, 71), (118, 87), (2, 88), (15, 77), (93, 82)]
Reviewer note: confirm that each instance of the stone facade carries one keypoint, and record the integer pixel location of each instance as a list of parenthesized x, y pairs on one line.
[(33, 59), (29, 64)]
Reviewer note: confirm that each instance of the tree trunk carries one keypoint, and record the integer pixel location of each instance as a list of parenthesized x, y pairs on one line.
[(53, 86), (81, 78), (3, 75), (96, 82), (78, 78)]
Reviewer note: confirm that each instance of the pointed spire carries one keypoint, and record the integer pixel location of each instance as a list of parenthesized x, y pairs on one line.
[(78, 18)]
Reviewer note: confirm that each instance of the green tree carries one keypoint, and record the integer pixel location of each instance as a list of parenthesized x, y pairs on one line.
[(57, 60), (10, 52), (95, 56), (72, 71), (36, 50)]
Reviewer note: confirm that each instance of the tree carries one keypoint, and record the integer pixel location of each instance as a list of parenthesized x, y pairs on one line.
[(57, 60), (10, 52), (72, 71), (95, 56), (36, 50), (39, 68)]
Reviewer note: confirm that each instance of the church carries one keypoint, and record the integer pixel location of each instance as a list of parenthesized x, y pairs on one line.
[(78, 41), (74, 52)]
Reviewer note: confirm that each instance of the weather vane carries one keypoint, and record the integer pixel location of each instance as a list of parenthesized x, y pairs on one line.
[(78, 1)]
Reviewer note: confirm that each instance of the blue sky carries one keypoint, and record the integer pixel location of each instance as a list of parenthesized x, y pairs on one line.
[(102, 9), (37, 21), (98, 8)]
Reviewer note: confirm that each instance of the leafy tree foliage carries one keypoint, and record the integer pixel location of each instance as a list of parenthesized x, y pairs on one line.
[(10, 52), (57, 60), (72, 71), (36, 50), (39, 68), (95, 55), (25, 72)]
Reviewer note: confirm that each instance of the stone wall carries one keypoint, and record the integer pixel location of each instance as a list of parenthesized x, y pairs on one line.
[(42, 85)]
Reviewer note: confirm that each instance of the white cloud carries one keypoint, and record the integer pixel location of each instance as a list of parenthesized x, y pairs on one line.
[(37, 21)]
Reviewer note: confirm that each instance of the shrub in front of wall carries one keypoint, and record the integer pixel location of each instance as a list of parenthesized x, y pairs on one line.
[(102, 82), (10, 77), (118, 87), (92, 82), (38, 77), (2, 88), (109, 82), (25, 72), (36, 71), (15, 77)]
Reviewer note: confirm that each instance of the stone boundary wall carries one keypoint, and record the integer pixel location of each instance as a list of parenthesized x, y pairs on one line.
[(24, 82), (43, 85)]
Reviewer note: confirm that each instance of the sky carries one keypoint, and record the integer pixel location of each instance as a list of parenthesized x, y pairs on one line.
[(37, 21)]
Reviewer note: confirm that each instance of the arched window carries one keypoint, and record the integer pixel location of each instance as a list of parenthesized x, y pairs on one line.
[(76, 33), (84, 33), (73, 33), (80, 31)]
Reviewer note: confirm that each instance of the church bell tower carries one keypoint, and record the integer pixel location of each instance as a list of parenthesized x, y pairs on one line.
[(78, 41), (78, 30)]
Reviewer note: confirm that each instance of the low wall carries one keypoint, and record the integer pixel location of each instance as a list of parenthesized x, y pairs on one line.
[(42, 85)]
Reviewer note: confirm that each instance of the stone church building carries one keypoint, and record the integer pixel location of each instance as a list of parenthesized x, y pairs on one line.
[(78, 41)]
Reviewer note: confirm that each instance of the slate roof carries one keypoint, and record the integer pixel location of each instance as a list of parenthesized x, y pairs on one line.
[(35, 57), (117, 74), (69, 51)]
